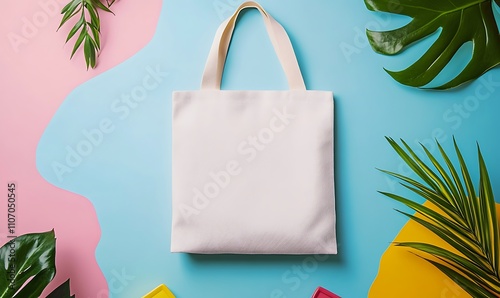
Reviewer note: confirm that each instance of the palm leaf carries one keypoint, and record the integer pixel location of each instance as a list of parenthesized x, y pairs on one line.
[(460, 265), (467, 221), (469, 286), (490, 215), (461, 21)]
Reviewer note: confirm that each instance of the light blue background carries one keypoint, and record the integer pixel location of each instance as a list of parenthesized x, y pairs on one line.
[(127, 176)]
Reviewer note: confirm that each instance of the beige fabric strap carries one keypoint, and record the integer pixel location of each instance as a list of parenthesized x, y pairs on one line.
[(214, 67)]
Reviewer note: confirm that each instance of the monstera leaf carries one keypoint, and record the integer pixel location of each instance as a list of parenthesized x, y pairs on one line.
[(461, 21), (27, 265)]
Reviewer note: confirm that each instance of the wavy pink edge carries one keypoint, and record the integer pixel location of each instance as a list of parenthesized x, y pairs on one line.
[(37, 75)]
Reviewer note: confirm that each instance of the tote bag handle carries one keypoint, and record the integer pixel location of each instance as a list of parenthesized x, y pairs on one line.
[(214, 67)]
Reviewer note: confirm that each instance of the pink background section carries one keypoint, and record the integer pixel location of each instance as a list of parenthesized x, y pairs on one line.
[(36, 76)]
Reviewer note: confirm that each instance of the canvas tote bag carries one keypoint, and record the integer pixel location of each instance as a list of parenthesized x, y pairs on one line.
[(252, 171)]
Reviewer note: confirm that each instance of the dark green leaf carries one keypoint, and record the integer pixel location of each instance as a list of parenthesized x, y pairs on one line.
[(464, 200), (461, 21), (471, 193), (454, 241), (438, 185), (63, 291), (70, 6), (451, 189), (78, 42), (440, 202), (98, 3), (491, 225), (27, 256), (470, 287), (96, 36), (36, 285), (469, 223), (433, 215), (78, 25), (92, 53), (94, 17), (456, 260), (67, 16), (87, 49), (96, 39), (428, 194), (90, 30), (412, 164), (94, 44)]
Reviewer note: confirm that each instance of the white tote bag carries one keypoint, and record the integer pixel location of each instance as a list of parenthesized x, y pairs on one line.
[(252, 171)]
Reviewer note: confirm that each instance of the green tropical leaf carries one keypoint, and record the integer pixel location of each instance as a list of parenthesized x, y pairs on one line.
[(87, 49), (445, 222), (94, 17), (413, 164), (90, 30), (68, 15), (67, 7), (78, 25), (28, 265), (469, 286), (466, 221), (63, 291), (461, 21), (489, 214), (101, 6), (78, 42), (97, 38), (470, 252), (463, 264), (464, 201)]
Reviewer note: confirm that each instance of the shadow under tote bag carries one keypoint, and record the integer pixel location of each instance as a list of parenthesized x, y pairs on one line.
[(252, 171)]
